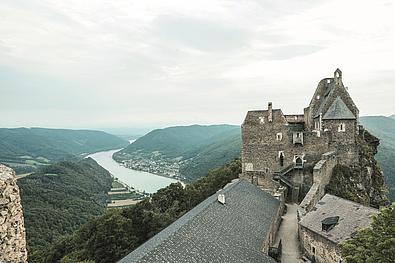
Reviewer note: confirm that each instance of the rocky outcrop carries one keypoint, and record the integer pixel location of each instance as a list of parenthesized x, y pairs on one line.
[(12, 231), (363, 181)]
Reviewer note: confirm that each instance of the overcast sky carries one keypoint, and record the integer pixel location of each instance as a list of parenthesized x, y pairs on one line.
[(123, 63)]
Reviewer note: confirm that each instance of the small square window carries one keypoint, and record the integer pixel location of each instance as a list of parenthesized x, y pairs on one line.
[(342, 127), (279, 136)]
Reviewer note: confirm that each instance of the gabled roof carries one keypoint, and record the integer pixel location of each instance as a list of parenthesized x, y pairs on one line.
[(329, 88), (338, 111), (212, 232), (352, 217)]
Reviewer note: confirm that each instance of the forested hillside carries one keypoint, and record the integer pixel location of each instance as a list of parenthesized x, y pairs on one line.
[(108, 238), (59, 198), (196, 148), (384, 128), (25, 149)]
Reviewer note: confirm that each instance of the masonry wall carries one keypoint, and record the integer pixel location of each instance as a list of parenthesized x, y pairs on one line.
[(12, 231), (324, 250), (343, 142), (322, 173), (261, 148), (270, 239)]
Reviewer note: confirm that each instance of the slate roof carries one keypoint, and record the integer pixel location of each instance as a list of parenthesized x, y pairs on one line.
[(352, 217), (212, 232), (339, 111), (330, 87)]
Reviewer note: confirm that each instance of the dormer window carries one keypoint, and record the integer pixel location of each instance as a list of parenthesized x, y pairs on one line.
[(279, 136), (342, 127)]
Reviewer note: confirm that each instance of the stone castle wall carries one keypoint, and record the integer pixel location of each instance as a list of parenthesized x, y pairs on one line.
[(322, 173), (323, 250), (12, 231)]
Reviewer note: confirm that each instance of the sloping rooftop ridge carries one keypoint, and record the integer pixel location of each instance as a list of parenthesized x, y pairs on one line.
[(352, 217), (213, 232)]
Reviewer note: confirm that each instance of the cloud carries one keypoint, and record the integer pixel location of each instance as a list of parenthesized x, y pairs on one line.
[(199, 34), (96, 63), (290, 51)]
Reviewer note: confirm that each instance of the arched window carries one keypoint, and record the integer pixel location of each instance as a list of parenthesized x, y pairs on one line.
[(298, 162)]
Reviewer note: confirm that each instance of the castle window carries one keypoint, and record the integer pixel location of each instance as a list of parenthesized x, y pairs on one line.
[(317, 125), (342, 127), (261, 120), (249, 167), (281, 157), (279, 136), (297, 138), (318, 97)]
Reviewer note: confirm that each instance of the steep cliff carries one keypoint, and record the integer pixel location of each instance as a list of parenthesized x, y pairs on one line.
[(362, 182), (12, 231)]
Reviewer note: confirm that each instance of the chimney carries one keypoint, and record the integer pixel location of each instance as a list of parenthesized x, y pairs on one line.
[(270, 112), (221, 198)]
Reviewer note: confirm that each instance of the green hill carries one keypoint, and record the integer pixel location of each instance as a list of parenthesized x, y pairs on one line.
[(384, 128), (24, 149), (197, 149), (59, 198), (110, 237), (180, 140)]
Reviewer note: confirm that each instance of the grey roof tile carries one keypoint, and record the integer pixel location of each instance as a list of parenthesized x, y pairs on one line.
[(352, 217), (338, 111), (212, 232)]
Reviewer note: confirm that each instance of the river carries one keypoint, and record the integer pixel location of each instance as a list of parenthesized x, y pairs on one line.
[(139, 180)]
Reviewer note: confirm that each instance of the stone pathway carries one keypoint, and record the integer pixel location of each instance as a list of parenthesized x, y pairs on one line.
[(288, 234)]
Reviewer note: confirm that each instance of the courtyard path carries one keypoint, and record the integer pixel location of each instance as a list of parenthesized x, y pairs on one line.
[(288, 234)]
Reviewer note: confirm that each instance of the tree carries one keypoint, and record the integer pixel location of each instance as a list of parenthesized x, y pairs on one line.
[(375, 244)]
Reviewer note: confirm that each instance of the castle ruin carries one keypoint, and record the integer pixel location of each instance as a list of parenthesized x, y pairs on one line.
[(285, 151)]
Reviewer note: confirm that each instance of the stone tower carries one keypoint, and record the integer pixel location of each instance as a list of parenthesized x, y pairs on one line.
[(283, 149), (12, 230)]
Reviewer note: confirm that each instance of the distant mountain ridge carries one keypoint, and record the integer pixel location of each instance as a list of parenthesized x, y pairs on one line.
[(26, 148)]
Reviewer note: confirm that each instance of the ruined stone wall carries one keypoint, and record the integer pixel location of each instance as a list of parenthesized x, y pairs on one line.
[(343, 142), (322, 174), (12, 231), (274, 227), (261, 147), (324, 250)]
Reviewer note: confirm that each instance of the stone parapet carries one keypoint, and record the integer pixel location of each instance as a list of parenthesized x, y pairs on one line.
[(12, 230)]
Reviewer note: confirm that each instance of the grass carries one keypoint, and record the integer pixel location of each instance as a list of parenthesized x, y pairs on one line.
[(116, 184)]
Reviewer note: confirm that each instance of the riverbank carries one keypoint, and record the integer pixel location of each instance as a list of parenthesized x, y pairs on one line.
[(143, 182)]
